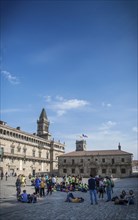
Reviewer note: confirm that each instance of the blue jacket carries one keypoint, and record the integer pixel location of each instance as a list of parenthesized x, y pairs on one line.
[(91, 183), (37, 182)]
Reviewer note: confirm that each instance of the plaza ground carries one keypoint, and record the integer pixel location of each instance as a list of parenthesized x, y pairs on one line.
[(54, 207)]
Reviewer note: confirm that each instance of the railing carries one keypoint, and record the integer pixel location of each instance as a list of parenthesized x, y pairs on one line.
[(23, 156)]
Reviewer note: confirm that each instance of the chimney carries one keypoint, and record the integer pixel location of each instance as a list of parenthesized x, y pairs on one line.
[(119, 146)]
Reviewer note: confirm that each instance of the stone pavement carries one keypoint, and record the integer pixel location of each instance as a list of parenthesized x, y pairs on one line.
[(54, 208)]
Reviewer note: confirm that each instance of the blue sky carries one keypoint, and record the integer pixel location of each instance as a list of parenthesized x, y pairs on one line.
[(78, 60)]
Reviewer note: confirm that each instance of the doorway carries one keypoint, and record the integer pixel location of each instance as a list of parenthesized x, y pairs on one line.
[(93, 171), (33, 173)]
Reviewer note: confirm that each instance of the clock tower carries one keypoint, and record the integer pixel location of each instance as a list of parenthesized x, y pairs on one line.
[(81, 145)]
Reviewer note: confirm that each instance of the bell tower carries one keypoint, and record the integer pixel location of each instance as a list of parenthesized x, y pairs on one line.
[(43, 126), (81, 145)]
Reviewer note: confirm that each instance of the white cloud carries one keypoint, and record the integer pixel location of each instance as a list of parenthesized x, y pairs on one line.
[(12, 79), (60, 98), (106, 105), (61, 105), (107, 125), (135, 129), (48, 98), (61, 112), (72, 104)]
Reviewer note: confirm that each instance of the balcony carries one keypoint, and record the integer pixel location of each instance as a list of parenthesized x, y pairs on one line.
[(23, 156)]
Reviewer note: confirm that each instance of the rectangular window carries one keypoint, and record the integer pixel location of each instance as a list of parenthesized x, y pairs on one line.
[(88, 159), (123, 170), (64, 170), (73, 161), (123, 159), (113, 161), (113, 171), (64, 160), (81, 160), (24, 150), (81, 171), (12, 150), (104, 171), (39, 154), (18, 149), (47, 155), (96, 159), (73, 170), (103, 160), (33, 153)]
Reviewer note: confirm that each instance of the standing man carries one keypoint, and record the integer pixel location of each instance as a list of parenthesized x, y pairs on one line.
[(92, 189), (108, 188), (6, 176), (18, 187), (37, 185), (2, 175)]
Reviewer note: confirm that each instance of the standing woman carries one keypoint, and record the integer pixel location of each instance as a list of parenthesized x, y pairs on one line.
[(101, 188)]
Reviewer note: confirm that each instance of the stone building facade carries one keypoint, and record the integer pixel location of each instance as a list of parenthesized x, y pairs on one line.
[(81, 162), (25, 153)]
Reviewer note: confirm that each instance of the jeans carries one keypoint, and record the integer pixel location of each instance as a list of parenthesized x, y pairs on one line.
[(108, 191), (93, 193)]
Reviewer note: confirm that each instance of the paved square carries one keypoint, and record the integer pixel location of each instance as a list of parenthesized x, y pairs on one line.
[(54, 208)]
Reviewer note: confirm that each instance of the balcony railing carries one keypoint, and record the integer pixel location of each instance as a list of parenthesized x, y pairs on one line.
[(23, 156)]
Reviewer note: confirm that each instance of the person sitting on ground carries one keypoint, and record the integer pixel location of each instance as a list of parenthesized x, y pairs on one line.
[(58, 188), (24, 196), (71, 187), (71, 198), (33, 198), (130, 197), (84, 188), (122, 200)]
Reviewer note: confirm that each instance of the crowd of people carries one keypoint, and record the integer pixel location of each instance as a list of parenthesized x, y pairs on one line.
[(97, 186)]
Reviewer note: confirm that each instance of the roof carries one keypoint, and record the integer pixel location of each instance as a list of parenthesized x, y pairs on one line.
[(135, 162), (43, 114), (95, 153)]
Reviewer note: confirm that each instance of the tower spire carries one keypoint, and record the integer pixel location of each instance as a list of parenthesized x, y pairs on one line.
[(43, 114), (43, 125), (119, 146)]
